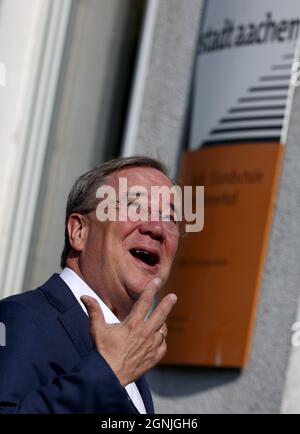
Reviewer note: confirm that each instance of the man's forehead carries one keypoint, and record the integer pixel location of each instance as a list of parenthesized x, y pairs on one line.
[(139, 176)]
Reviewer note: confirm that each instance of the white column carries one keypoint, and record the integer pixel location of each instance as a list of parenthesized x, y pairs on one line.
[(32, 37)]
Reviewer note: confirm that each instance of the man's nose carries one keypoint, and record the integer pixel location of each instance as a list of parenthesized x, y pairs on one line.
[(154, 229)]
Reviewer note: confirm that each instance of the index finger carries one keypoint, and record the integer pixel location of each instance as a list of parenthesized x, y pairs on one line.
[(144, 303), (161, 312)]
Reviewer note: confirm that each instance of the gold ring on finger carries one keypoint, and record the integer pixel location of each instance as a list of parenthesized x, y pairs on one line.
[(163, 335)]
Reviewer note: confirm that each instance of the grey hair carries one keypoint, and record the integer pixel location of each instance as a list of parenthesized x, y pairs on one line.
[(82, 197)]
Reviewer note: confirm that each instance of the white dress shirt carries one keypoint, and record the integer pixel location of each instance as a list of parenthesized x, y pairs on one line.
[(80, 288)]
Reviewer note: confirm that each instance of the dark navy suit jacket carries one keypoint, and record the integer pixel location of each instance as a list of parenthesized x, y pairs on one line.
[(49, 364)]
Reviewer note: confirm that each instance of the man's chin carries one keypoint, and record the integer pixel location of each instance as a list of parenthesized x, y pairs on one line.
[(134, 290)]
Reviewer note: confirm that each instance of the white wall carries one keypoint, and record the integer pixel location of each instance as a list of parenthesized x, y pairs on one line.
[(19, 41), (32, 35)]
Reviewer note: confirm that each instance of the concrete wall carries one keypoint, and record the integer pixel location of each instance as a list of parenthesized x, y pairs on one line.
[(286, 257), (161, 117), (262, 387)]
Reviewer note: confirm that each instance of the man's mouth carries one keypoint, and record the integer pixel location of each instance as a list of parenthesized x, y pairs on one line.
[(147, 257)]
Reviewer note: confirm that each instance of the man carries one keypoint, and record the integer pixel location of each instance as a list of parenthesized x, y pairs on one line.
[(82, 342)]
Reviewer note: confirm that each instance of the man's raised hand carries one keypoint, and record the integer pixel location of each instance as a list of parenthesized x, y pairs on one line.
[(137, 344)]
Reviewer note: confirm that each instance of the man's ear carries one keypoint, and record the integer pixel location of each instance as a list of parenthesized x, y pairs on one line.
[(78, 231)]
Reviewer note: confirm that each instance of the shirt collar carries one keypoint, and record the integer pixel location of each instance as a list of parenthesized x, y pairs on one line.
[(80, 288)]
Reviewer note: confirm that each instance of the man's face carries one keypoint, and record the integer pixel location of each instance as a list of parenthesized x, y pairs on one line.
[(121, 257)]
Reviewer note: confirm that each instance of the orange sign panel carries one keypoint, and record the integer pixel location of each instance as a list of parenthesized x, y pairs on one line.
[(217, 273)]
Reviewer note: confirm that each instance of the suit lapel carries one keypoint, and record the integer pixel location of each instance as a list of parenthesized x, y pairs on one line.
[(146, 394), (76, 324), (71, 316)]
